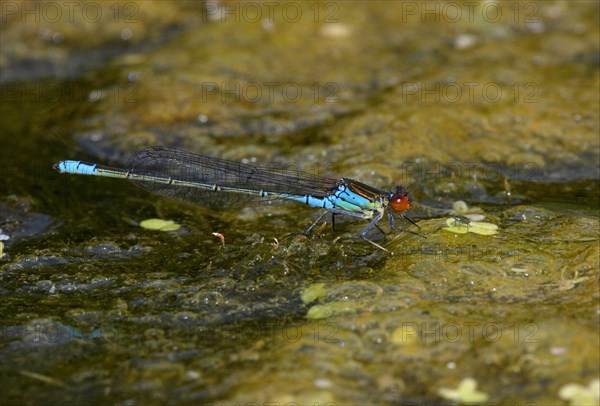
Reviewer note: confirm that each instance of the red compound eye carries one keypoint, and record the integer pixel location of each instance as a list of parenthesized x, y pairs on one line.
[(399, 203)]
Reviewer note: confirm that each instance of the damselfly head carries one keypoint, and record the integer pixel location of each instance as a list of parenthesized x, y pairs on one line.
[(400, 200)]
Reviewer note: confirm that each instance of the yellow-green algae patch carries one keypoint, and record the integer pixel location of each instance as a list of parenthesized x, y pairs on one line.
[(313, 292), (475, 227), (466, 392), (159, 224)]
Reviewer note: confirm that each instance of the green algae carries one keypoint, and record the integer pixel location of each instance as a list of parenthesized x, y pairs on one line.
[(159, 224)]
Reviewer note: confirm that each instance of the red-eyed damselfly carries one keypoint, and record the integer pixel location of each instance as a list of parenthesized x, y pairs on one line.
[(202, 179)]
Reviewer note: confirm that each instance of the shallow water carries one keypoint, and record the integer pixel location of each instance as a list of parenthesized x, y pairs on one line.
[(498, 112)]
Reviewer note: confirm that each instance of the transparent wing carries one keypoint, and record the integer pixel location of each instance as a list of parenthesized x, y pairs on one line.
[(189, 167)]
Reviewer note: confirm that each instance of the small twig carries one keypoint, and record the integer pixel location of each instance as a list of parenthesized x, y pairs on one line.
[(220, 237)]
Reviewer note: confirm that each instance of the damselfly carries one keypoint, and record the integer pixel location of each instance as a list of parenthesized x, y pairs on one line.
[(198, 178)]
